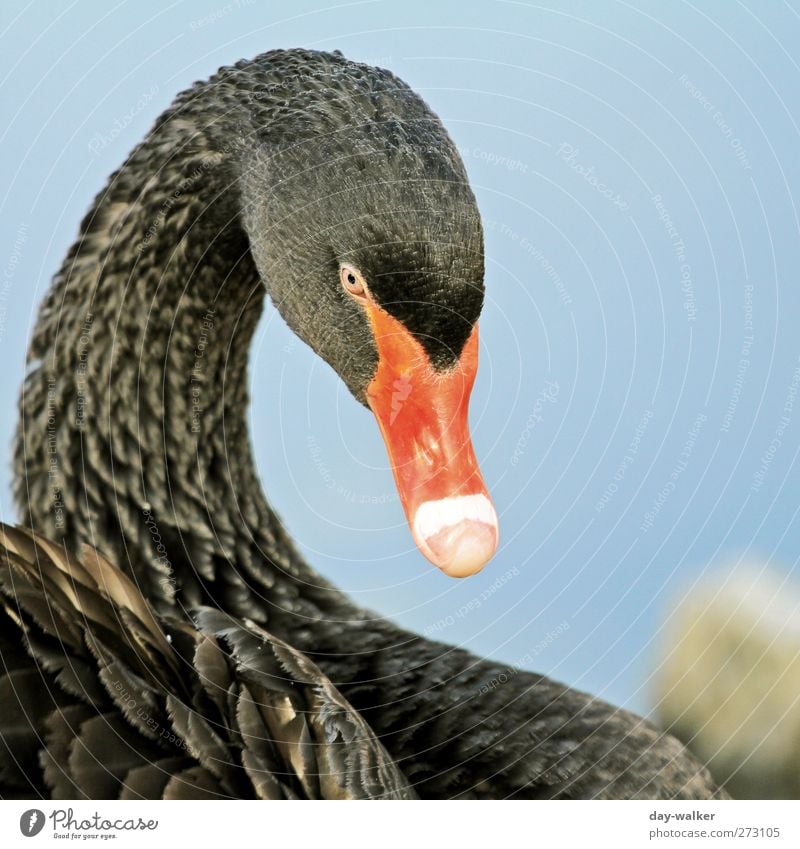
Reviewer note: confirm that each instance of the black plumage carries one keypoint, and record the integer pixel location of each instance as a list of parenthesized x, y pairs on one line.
[(131, 705), (133, 443)]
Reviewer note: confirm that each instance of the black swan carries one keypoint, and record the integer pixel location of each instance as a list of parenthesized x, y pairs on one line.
[(177, 645)]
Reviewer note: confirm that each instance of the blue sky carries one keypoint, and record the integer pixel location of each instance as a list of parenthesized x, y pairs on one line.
[(635, 413)]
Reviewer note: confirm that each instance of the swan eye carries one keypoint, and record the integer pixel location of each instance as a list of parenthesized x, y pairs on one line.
[(353, 281)]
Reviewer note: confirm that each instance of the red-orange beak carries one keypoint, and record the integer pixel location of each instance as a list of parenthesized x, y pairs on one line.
[(423, 416)]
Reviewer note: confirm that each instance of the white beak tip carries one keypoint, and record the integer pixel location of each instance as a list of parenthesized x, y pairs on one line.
[(459, 534)]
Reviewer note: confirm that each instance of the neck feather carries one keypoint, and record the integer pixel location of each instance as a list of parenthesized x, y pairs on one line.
[(133, 435)]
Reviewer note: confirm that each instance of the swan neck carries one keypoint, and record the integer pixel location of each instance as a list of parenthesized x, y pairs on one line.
[(133, 436)]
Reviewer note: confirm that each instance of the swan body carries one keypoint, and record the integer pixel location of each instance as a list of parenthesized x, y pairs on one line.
[(331, 188)]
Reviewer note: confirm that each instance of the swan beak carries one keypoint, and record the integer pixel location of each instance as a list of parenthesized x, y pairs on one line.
[(423, 417)]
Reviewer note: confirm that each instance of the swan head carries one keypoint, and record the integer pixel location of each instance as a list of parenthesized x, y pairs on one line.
[(369, 241)]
